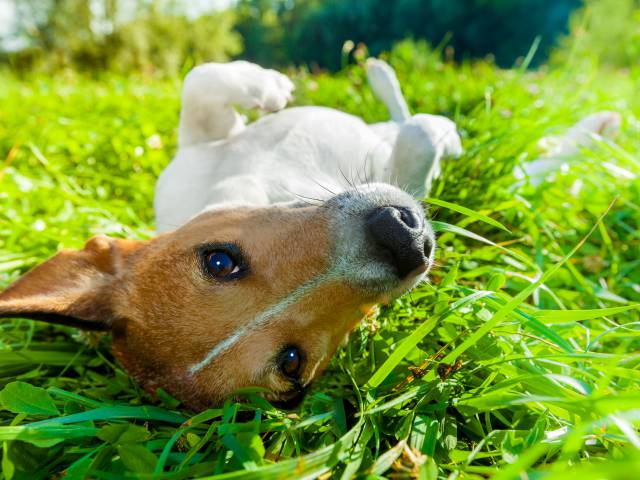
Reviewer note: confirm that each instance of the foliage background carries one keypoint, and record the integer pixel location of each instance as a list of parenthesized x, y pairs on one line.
[(547, 337), (169, 36)]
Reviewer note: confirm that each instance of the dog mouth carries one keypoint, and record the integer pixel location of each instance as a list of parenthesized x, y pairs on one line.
[(389, 287), (290, 400), (386, 274)]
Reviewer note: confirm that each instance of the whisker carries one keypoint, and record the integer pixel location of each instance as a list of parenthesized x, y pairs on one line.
[(349, 184), (306, 199), (353, 181), (323, 187), (365, 169), (303, 197), (360, 181)]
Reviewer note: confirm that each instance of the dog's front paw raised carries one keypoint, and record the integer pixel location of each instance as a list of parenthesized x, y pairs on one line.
[(261, 88)]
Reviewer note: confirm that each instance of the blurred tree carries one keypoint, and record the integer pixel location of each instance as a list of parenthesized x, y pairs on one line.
[(603, 31), (261, 27), (160, 36), (313, 32), (266, 27), (155, 40), (47, 29), (136, 35)]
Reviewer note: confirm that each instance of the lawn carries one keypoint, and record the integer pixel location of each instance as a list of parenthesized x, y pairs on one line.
[(520, 355)]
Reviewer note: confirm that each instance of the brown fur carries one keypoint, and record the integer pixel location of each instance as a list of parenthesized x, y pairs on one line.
[(165, 314)]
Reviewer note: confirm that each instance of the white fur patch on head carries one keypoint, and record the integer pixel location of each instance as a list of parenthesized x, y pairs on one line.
[(353, 261), (263, 318)]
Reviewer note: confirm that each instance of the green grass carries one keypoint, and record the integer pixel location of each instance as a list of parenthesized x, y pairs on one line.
[(539, 319)]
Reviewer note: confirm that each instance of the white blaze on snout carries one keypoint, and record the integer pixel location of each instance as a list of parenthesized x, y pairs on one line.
[(353, 263), (263, 318)]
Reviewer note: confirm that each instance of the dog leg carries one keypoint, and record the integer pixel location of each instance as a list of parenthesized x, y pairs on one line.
[(421, 143), (605, 124), (384, 83), (558, 150), (211, 90)]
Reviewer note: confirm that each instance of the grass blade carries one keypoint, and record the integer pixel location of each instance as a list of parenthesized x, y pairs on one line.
[(468, 212), (518, 299), (565, 316)]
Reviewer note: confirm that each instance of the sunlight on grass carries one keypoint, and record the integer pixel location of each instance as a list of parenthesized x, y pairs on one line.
[(519, 355)]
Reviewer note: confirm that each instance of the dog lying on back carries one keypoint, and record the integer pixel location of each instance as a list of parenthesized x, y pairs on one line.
[(276, 238), (298, 153)]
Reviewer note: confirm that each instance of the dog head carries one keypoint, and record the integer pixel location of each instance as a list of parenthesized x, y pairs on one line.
[(239, 296)]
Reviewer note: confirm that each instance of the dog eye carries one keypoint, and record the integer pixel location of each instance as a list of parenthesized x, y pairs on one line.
[(220, 264), (290, 362), (222, 261)]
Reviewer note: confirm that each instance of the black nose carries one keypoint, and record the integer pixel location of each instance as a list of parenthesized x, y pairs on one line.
[(400, 236)]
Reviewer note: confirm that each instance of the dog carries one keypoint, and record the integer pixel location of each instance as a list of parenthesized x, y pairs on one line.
[(559, 151), (298, 153), (275, 239)]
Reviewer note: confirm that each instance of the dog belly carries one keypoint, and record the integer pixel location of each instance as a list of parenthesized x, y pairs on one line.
[(306, 149), (304, 152)]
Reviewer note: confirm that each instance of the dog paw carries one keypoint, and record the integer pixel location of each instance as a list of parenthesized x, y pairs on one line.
[(604, 123), (384, 83), (261, 88), (379, 72)]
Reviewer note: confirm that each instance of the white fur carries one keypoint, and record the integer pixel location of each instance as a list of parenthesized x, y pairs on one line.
[(559, 150), (263, 318), (297, 153), (352, 261)]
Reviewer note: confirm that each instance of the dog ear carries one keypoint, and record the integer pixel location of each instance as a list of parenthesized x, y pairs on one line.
[(75, 287)]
